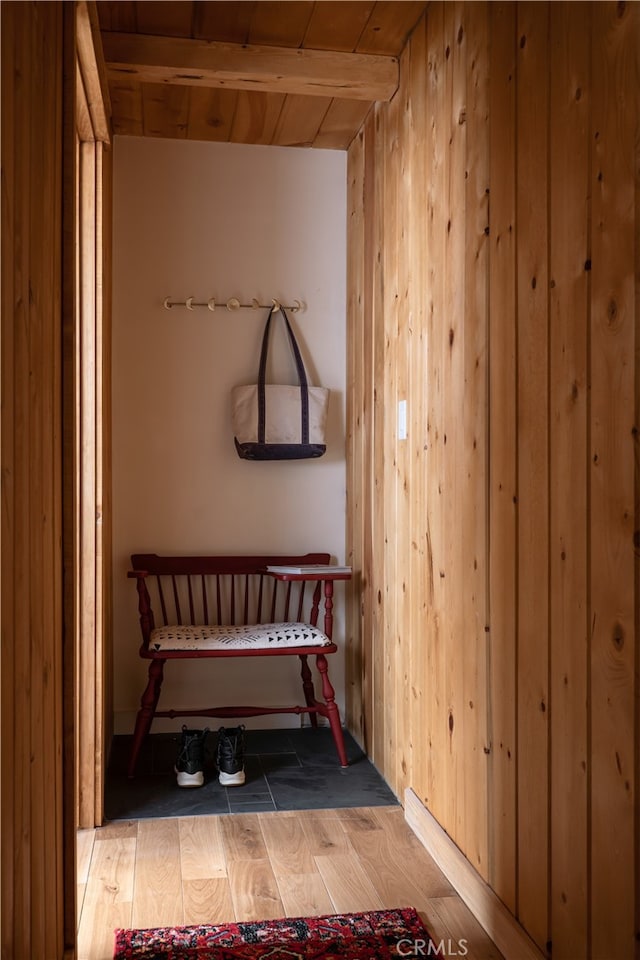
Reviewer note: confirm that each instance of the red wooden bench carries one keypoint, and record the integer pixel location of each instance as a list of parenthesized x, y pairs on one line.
[(214, 607)]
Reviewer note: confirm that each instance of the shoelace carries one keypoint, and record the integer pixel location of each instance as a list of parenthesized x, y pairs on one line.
[(184, 752), (229, 745), (187, 741)]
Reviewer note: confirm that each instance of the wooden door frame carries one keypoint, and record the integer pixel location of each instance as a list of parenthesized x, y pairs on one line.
[(86, 421), (87, 414), (86, 443)]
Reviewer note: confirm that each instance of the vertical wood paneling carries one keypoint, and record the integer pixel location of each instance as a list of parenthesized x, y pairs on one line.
[(452, 346), (501, 586), (8, 810), (370, 413), (88, 734), (32, 663), (23, 441), (533, 467), (502, 454), (613, 328), (69, 450), (417, 595), (105, 460), (636, 437), (367, 422), (102, 485), (435, 745), (475, 420), (56, 845), (401, 653), (568, 384), (377, 479), (357, 431), (37, 342), (391, 587)]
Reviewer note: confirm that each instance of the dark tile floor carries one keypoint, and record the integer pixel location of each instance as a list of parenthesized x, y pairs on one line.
[(285, 770)]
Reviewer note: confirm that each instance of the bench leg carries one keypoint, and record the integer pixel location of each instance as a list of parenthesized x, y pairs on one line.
[(333, 714), (148, 704), (307, 686)]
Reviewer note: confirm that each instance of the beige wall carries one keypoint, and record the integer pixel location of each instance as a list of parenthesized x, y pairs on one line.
[(223, 220), (493, 225)]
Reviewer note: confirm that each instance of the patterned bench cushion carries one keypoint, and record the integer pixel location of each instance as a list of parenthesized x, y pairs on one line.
[(260, 636)]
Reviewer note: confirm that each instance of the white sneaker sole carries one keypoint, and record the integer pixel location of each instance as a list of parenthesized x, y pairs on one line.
[(231, 779), (189, 779)]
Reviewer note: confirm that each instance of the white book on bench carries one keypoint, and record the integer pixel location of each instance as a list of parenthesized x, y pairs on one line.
[(308, 568)]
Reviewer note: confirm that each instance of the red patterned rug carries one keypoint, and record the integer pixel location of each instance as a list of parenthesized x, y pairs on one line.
[(376, 935)]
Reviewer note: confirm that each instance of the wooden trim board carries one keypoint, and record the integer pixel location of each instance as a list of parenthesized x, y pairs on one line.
[(490, 912)]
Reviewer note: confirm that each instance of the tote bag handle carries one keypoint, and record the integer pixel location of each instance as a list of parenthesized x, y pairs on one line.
[(302, 379)]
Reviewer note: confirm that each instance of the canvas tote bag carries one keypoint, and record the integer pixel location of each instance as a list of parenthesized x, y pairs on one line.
[(279, 421)]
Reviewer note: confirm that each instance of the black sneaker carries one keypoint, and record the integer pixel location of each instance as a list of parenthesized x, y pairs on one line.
[(230, 756), (189, 766)]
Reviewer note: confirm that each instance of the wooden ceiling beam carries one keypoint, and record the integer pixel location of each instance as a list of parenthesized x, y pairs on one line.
[(235, 66)]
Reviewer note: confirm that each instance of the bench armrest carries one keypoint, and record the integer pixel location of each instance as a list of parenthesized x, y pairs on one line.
[(320, 576)]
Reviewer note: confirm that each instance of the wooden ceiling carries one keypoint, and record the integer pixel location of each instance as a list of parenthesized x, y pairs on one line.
[(287, 73)]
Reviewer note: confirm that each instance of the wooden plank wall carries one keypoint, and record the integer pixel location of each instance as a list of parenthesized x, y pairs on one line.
[(494, 255), (32, 905)]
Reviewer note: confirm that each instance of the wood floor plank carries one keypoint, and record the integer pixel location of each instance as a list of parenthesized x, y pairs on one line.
[(84, 849), (304, 895), (201, 849), (348, 885), (398, 875), (344, 813), (325, 837), (405, 847), (254, 890), (207, 900), (118, 829), (80, 892), (440, 932), (157, 895), (288, 847), (465, 932), (242, 838), (108, 898), (363, 823)]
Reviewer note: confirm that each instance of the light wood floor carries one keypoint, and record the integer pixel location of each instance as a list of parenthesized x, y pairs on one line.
[(149, 873)]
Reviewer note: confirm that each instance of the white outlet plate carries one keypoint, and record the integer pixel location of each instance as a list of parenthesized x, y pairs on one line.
[(402, 420)]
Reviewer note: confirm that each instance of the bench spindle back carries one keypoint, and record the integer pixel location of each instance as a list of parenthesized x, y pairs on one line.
[(225, 590)]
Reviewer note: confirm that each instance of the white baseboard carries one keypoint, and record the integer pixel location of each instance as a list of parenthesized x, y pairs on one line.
[(510, 938)]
